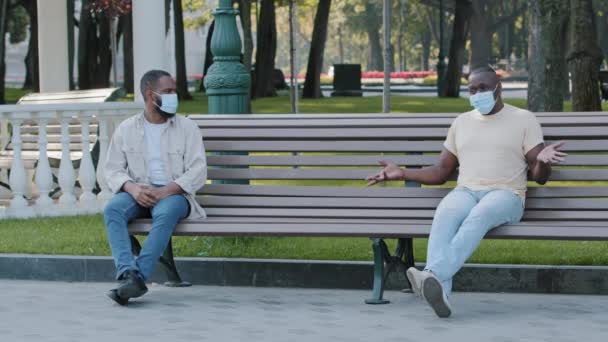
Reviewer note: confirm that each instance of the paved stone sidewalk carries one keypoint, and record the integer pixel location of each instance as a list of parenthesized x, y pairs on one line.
[(54, 311)]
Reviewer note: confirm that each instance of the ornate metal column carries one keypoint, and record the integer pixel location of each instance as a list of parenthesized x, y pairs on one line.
[(227, 82)]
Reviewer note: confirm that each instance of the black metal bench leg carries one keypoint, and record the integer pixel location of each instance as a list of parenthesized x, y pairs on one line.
[(135, 246), (168, 263), (385, 264), (166, 260), (380, 253), (405, 255)]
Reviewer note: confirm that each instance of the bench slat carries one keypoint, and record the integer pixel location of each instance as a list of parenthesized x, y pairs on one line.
[(403, 146), (368, 160), (394, 203), (445, 122), (588, 132), (370, 230), (367, 192), (548, 215), (361, 174)]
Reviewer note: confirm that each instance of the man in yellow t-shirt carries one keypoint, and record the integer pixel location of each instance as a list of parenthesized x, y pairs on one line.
[(495, 147)]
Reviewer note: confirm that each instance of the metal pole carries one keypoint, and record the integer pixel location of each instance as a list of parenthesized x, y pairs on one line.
[(386, 94), (441, 62), (293, 78)]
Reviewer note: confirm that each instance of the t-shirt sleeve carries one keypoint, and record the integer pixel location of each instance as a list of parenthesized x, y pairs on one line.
[(450, 141), (533, 134)]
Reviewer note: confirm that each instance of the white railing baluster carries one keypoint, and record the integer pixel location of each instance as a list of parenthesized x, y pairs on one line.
[(44, 174), (86, 173), (18, 149), (4, 140), (18, 207), (67, 178), (105, 194)]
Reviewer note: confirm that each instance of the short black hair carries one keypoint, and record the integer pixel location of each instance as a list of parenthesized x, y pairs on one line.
[(483, 68), (150, 78)]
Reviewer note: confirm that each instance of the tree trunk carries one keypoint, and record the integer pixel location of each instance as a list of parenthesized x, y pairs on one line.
[(312, 84), (167, 16), (426, 50), (31, 59), (373, 16), (94, 54), (457, 51), (547, 52), (401, 35), (3, 19), (481, 35), (340, 45), (584, 57), (208, 54), (125, 25), (263, 85), (536, 59), (245, 15), (602, 27), (181, 77), (70, 38)]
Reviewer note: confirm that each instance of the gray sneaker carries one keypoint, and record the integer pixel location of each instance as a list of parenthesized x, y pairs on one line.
[(416, 278), (432, 291)]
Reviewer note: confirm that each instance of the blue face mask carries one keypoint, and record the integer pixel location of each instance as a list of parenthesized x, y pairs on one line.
[(167, 104), (484, 102)]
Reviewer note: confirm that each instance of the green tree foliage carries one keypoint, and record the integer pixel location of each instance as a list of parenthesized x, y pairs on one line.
[(17, 24)]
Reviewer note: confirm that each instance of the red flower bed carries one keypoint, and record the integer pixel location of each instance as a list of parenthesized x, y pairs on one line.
[(401, 74)]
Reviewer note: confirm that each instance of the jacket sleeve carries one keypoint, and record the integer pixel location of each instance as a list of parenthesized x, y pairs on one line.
[(115, 165), (195, 162)]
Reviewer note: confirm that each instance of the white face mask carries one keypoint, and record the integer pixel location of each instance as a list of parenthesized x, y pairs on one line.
[(484, 102), (167, 104)]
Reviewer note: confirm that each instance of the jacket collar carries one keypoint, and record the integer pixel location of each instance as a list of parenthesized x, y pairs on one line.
[(141, 118)]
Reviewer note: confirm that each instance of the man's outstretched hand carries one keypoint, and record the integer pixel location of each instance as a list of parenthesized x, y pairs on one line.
[(391, 171), (552, 154)]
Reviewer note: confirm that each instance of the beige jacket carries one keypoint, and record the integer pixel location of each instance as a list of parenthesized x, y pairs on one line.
[(183, 155)]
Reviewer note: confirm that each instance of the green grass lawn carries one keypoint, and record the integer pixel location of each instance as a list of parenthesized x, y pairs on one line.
[(85, 235)]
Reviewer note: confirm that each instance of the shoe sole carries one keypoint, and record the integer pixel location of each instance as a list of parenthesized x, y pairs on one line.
[(433, 293), (131, 292), (412, 279), (113, 294)]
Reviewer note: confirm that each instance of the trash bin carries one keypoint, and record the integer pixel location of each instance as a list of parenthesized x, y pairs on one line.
[(347, 80)]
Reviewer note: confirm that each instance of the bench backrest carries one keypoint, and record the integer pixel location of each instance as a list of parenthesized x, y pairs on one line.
[(311, 165)]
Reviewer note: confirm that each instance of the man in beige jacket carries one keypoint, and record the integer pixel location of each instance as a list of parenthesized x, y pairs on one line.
[(155, 164)]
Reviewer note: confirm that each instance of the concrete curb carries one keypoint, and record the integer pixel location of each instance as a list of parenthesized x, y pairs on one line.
[(311, 274)]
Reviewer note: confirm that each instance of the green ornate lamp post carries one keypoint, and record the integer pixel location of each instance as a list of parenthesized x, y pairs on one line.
[(227, 81)]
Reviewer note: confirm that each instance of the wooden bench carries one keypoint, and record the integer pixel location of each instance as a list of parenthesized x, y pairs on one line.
[(29, 130), (306, 179)]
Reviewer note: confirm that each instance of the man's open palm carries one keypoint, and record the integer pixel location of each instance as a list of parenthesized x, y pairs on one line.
[(391, 171), (552, 154)]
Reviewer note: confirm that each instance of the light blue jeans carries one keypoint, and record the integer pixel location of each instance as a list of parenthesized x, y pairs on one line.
[(461, 221), (165, 215)]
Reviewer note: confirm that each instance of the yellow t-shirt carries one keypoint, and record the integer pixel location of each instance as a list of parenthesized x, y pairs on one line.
[(491, 149)]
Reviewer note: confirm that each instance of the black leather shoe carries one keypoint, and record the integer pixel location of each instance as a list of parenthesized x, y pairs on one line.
[(132, 286), (113, 294)]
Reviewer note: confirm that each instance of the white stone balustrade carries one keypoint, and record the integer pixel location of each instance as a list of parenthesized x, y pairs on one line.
[(37, 132)]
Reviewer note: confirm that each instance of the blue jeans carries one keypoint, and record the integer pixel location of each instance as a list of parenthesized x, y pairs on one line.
[(461, 221), (123, 209)]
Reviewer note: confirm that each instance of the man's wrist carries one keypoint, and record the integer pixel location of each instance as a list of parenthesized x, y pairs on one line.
[(402, 174)]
